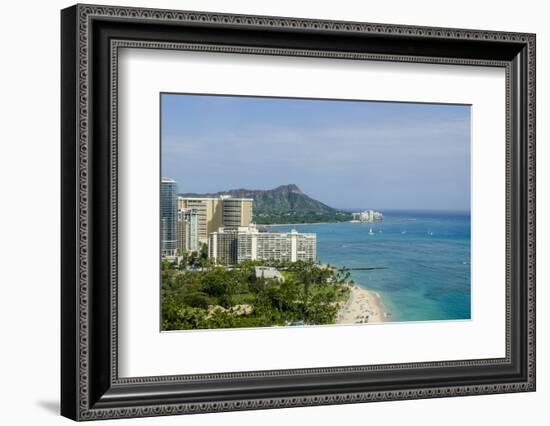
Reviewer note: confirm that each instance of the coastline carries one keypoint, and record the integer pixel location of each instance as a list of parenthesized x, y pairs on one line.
[(320, 223), (300, 224), (363, 306)]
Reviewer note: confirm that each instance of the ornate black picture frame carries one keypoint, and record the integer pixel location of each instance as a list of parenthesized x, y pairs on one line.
[(91, 36)]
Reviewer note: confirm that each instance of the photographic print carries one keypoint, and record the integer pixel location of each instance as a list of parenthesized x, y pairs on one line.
[(346, 209), (285, 212)]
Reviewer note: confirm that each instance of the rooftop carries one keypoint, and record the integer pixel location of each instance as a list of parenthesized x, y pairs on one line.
[(268, 272)]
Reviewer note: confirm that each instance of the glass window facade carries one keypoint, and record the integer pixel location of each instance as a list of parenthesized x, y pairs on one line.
[(168, 217)]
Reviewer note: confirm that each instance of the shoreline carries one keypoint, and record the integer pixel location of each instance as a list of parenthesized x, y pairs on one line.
[(300, 224), (363, 306), (321, 223)]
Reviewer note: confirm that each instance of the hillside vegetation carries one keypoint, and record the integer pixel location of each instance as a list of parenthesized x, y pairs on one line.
[(285, 204)]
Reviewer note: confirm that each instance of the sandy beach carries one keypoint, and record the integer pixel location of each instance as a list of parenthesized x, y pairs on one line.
[(363, 306)]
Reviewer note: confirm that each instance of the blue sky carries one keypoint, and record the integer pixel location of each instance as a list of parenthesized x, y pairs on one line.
[(346, 154)]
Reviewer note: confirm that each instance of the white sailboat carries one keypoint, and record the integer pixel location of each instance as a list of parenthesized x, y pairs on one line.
[(370, 231)]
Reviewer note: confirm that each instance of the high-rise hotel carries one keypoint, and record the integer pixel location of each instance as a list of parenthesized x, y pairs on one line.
[(216, 212), (225, 224), (188, 230), (231, 246), (168, 217)]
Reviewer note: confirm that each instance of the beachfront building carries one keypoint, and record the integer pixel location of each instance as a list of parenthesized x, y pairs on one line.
[(216, 212), (231, 246), (222, 246), (188, 230), (237, 212), (367, 216), (207, 214), (168, 217)]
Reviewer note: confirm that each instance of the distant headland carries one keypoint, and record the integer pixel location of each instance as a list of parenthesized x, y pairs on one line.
[(284, 204)]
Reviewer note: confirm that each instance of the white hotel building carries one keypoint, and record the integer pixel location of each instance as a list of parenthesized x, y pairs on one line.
[(233, 245)]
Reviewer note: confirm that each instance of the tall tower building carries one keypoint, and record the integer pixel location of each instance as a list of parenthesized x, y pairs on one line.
[(208, 212), (216, 212), (188, 230), (237, 212), (168, 217)]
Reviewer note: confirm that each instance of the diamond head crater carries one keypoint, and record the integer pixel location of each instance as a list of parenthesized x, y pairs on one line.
[(282, 205)]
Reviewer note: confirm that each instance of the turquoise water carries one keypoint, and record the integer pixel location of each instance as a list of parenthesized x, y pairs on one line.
[(423, 260)]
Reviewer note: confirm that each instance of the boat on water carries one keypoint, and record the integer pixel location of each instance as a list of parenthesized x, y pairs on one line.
[(370, 231)]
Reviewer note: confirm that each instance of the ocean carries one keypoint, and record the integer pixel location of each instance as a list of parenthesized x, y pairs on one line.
[(418, 262)]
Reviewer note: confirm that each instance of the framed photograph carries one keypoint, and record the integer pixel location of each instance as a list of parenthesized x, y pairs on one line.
[(263, 212)]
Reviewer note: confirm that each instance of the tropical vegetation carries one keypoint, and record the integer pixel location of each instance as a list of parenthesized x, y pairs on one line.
[(196, 294)]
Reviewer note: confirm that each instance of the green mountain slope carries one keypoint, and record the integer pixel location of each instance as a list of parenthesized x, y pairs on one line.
[(284, 204)]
